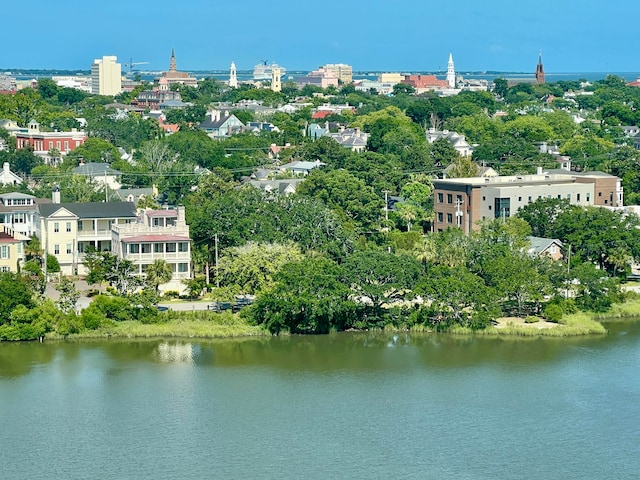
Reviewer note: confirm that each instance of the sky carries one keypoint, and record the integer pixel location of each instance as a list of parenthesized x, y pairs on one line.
[(370, 35)]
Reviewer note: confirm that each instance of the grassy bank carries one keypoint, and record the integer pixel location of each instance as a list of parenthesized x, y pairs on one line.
[(174, 325), (620, 311)]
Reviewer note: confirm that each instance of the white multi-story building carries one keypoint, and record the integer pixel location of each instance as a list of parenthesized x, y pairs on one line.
[(156, 235), (106, 76)]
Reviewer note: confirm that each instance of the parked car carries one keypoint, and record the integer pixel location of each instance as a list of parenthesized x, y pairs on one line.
[(219, 306)]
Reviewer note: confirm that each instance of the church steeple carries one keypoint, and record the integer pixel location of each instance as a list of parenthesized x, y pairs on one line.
[(540, 70), (451, 73), (233, 79), (172, 63)]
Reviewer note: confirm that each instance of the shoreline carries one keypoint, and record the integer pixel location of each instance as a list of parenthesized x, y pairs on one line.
[(189, 326)]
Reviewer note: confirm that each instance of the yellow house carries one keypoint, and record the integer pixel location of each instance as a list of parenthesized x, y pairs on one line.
[(11, 249), (67, 230)]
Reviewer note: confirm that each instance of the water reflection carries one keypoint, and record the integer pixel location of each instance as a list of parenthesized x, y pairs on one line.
[(336, 352)]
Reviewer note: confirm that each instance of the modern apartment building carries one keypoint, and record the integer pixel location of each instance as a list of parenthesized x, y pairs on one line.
[(106, 76), (156, 235), (463, 202)]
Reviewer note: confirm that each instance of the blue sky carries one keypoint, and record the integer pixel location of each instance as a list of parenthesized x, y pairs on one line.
[(415, 35)]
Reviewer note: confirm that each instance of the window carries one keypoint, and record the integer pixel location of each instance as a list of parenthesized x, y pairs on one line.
[(183, 247), (68, 227), (20, 247), (449, 198), (68, 249), (559, 197), (529, 199), (66, 145), (519, 199), (18, 218), (502, 207), (134, 248), (56, 249), (599, 194), (79, 224), (171, 222), (484, 198), (569, 196), (56, 227), (440, 197), (4, 251), (449, 217), (458, 199), (157, 222), (146, 248), (183, 267), (588, 197), (577, 196), (440, 217), (170, 247), (6, 269), (158, 247)]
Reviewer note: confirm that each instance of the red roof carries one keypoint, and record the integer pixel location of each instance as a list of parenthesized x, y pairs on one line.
[(321, 114), (162, 213), (155, 238)]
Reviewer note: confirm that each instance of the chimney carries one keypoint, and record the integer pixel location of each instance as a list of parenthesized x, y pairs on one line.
[(55, 194), (5, 167)]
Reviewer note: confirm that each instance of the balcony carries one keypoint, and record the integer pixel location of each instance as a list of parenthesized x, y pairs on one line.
[(102, 234)]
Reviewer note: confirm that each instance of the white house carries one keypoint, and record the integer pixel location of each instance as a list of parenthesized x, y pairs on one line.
[(455, 139), (156, 235)]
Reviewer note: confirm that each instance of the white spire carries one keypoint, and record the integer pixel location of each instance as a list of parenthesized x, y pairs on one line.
[(451, 73), (233, 80)]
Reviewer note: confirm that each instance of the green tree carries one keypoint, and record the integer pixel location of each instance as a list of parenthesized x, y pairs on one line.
[(14, 291), (379, 277), (69, 295), (252, 266), (309, 296), (158, 273), (456, 297)]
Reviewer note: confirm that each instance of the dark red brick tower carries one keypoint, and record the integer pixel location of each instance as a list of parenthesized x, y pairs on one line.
[(540, 71)]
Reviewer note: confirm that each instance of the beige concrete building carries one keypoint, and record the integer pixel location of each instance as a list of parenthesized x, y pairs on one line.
[(106, 76), (343, 72), (156, 235), (463, 202), (392, 78)]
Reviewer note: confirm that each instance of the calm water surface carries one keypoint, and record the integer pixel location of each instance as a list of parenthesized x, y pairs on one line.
[(338, 406)]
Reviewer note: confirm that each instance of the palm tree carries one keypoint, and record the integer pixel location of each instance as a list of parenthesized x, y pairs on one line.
[(159, 273)]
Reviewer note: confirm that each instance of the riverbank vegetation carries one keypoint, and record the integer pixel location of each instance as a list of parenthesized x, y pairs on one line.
[(338, 254)]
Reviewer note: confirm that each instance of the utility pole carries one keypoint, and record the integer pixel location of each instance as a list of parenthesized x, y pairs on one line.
[(458, 213), (386, 205), (215, 239)]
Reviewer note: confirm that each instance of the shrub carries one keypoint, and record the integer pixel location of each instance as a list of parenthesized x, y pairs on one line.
[(553, 312), (171, 294), (531, 319)]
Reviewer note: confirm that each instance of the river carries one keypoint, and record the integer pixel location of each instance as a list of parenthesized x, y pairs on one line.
[(336, 406)]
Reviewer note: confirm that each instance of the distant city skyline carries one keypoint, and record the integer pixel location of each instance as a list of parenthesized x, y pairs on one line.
[(369, 35)]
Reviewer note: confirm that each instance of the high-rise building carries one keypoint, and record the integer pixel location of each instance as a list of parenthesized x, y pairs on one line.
[(106, 76), (233, 78), (342, 71), (451, 73), (540, 71)]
